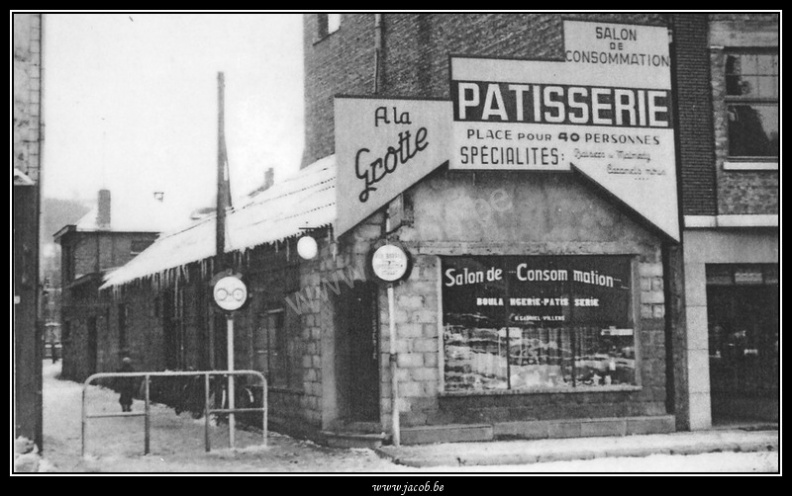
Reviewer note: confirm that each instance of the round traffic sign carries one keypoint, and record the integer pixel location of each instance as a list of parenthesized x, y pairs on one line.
[(389, 263), (230, 293)]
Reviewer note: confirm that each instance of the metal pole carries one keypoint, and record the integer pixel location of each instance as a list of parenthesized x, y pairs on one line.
[(393, 368), (82, 433), (206, 412), (147, 445), (231, 418), (264, 413), (221, 175)]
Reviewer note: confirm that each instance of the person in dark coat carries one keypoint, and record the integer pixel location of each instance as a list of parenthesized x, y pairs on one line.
[(126, 385)]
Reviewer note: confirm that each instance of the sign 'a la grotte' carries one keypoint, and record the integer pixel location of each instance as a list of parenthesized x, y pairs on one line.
[(604, 110), (384, 146)]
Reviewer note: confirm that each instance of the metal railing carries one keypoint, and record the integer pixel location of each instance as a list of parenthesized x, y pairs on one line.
[(208, 410)]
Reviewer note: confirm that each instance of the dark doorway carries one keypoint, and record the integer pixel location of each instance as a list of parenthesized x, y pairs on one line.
[(357, 347), (172, 330), (744, 355), (93, 345)]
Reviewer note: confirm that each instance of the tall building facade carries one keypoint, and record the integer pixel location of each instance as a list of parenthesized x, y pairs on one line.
[(26, 172), (728, 103)]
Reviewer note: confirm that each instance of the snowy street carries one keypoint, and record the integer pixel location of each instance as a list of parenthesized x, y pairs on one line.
[(116, 445)]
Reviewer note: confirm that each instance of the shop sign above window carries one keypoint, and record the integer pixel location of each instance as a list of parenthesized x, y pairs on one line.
[(604, 111), (384, 146)]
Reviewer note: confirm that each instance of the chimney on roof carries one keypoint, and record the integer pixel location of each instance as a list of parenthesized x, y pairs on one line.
[(103, 211), (269, 179)]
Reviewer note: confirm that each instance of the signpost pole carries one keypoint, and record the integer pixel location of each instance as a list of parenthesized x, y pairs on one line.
[(390, 263), (230, 294), (231, 417), (393, 367)]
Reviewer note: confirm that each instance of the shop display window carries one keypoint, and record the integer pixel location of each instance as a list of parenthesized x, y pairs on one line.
[(532, 323)]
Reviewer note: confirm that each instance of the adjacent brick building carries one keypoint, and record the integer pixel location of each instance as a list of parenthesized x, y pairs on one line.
[(729, 91), (26, 166)]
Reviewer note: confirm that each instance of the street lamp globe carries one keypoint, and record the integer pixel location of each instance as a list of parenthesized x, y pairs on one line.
[(307, 247)]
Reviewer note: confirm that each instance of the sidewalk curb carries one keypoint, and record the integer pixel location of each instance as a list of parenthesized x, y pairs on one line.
[(448, 458)]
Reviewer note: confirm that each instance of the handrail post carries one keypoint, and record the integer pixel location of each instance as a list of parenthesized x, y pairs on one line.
[(264, 404), (84, 421), (147, 445), (206, 412)]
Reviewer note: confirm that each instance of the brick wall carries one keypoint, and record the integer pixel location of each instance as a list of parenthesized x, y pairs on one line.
[(27, 94), (415, 56), (694, 103), (341, 62), (85, 253)]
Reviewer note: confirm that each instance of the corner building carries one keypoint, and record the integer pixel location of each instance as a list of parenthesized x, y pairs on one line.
[(661, 352), (545, 351)]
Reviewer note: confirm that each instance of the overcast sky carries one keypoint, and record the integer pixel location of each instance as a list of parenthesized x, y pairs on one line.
[(130, 102)]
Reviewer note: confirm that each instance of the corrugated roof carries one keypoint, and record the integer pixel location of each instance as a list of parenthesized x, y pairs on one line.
[(306, 199)]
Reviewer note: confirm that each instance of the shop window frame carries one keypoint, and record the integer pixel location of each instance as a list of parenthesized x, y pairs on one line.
[(632, 314)]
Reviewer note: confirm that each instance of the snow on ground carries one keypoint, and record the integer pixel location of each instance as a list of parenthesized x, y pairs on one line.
[(177, 445), (177, 442)]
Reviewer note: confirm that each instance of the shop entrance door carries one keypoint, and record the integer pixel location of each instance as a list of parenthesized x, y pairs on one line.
[(357, 351), (744, 356)]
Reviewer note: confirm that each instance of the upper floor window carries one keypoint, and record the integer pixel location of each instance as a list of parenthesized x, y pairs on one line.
[(333, 23), (327, 24), (752, 88)]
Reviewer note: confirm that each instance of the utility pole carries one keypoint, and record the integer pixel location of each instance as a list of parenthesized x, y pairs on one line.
[(223, 200), (220, 213), (222, 178)]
